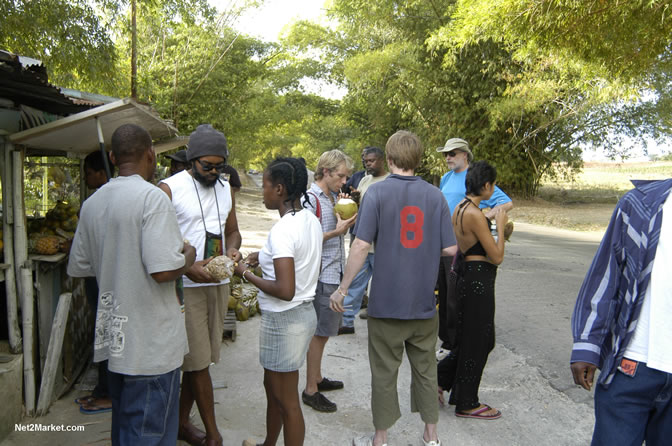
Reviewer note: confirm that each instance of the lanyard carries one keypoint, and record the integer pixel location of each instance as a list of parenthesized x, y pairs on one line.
[(219, 218)]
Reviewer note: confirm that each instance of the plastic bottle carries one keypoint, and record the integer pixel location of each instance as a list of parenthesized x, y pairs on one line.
[(493, 230)]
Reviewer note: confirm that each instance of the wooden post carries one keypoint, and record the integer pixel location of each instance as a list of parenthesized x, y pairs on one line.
[(8, 249), (25, 275), (53, 354)]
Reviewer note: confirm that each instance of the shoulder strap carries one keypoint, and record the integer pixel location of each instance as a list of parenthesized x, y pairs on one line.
[(318, 208)]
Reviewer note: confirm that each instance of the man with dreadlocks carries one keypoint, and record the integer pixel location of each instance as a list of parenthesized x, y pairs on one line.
[(290, 263), (206, 213)]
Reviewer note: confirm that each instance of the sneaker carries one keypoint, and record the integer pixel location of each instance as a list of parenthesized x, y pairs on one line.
[(442, 353), (318, 402), (346, 330), (366, 440), (364, 314), (327, 384)]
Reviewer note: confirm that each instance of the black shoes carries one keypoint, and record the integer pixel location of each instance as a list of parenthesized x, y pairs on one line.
[(346, 330), (327, 384), (319, 402)]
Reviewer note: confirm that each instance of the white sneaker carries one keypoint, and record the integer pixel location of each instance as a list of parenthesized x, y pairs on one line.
[(441, 353), (366, 440), (430, 443)]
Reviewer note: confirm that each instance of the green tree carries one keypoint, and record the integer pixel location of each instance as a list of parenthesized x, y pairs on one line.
[(69, 37)]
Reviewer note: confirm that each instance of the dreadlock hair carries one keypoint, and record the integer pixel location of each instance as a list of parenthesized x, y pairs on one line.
[(291, 173), (479, 173)]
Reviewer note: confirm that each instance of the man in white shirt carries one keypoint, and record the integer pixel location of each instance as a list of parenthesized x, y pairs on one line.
[(622, 321)]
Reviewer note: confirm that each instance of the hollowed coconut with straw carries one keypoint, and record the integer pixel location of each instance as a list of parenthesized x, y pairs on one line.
[(346, 208)]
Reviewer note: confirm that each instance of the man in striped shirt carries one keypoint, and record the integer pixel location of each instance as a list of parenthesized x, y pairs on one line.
[(622, 322)]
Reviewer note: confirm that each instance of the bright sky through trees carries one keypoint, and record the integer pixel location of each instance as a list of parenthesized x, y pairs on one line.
[(268, 21)]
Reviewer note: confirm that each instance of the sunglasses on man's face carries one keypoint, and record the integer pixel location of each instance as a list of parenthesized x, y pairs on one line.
[(451, 154), (219, 167)]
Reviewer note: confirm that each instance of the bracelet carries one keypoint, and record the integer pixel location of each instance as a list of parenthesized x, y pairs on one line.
[(242, 276), (341, 292)]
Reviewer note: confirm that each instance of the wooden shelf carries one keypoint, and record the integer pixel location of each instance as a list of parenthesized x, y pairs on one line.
[(54, 258)]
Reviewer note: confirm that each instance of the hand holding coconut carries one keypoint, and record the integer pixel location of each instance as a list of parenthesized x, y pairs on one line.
[(346, 214), (197, 273)]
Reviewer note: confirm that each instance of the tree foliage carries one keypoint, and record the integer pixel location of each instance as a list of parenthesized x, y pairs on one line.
[(69, 37), (524, 100)]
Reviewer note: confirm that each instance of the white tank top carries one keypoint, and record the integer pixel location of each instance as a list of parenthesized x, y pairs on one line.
[(189, 217)]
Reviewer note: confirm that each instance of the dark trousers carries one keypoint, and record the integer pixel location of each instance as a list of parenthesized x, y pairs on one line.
[(446, 327), (145, 409), (634, 409), (461, 371)]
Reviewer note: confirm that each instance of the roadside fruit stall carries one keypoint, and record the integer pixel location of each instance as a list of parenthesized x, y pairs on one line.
[(56, 324)]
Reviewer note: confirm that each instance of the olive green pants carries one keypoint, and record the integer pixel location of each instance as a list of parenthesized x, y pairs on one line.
[(388, 338)]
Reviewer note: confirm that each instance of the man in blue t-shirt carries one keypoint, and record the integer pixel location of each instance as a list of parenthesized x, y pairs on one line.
[(458, 156), (409, 222)]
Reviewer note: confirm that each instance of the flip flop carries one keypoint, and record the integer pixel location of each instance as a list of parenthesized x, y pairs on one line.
[(85, 399), (91, 410), (478, 414)]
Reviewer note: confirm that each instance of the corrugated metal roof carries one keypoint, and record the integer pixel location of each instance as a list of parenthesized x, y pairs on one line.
[(27, 84)]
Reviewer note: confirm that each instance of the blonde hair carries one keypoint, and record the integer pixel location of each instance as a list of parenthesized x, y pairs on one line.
[(404, 150), (331, 160)]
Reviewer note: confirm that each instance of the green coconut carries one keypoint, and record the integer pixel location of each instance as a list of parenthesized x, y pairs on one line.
[(346, 208)]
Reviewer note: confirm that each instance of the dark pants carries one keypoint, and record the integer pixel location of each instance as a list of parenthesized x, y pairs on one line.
[(634, 408), (461, 371), (145, 408), (447, 317)]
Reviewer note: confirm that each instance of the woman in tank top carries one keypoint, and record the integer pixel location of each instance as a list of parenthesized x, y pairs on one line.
[(461, 371)]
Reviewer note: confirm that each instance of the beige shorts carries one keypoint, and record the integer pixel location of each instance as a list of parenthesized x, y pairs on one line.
[(205, 308)]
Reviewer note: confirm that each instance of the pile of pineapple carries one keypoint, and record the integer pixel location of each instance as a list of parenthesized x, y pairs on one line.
[(54, 233)]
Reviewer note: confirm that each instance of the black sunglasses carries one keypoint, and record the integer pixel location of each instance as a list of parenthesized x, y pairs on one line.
[(219, 167), (451, 154)]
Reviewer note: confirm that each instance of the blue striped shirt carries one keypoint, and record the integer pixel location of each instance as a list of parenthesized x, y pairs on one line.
[(610, 299)]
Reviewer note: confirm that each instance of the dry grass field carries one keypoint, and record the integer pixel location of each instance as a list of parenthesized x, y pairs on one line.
[(587, 202)]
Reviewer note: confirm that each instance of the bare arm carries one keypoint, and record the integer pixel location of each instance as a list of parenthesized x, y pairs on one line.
[(284, 285), (168, 276), (342, 227), (506, 207), (449, 251)]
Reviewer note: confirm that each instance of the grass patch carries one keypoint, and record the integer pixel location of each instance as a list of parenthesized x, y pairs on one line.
[(587, 202), (603, 182)]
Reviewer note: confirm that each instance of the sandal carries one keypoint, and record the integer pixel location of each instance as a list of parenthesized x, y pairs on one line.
[(478, 413)]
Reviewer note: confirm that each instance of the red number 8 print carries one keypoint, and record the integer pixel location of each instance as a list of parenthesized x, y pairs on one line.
[(414, 228)]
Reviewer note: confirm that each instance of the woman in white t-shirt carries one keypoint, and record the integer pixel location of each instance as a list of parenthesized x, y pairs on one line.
[(290, 263)]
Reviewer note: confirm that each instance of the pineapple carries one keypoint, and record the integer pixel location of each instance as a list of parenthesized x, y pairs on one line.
[(48, 245)]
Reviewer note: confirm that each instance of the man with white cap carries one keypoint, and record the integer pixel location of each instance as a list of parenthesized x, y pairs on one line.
[(206, 214), (458, 156)]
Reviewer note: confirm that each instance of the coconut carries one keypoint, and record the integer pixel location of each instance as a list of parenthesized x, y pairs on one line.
[(220, 268), (346, 208)]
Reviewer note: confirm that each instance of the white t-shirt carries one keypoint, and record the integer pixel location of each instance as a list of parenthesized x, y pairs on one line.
[(651, 342), (189, 217), (298, 236), (128, 231)]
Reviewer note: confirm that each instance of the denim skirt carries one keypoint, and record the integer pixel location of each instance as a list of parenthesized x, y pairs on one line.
[(284, 337)]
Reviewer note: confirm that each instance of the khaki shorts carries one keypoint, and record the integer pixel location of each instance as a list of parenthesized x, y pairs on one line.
[(205, 308)]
